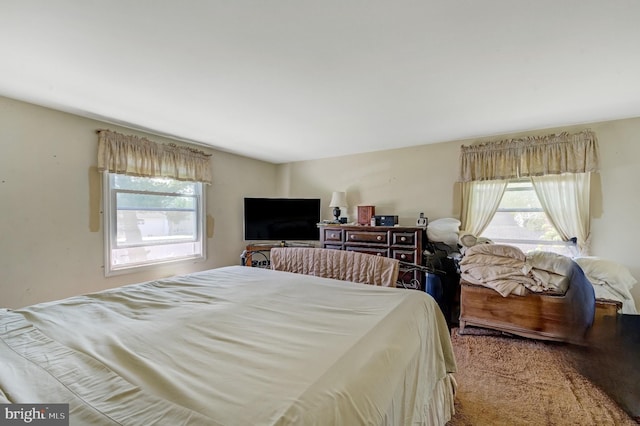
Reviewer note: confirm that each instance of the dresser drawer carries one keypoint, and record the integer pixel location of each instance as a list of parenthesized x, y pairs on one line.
[(404, 238), (332, 235), (402, 243), (378, 237), (404, 255), (369, 250)]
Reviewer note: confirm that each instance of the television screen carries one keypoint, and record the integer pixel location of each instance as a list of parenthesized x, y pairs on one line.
[(281, 219)]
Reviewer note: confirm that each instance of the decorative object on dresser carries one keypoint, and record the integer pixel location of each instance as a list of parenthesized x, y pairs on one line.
[(338, 199), (385, 220), (365, 213), (402, 243), (422, 220)]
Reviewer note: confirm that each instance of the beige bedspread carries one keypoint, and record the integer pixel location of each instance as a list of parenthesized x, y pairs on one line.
[(337, 264), (234, 346)]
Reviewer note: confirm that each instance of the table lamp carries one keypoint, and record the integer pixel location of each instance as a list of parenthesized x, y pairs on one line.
[(338, 199)]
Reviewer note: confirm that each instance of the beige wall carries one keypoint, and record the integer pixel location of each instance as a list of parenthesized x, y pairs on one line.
[(49, 245), (408, 181), (402, 182), (51, 241)]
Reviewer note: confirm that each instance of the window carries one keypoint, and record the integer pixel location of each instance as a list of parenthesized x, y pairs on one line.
[(521, 221), (150, 221)]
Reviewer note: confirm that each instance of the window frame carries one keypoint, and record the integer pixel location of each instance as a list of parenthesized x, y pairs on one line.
[(110, 228)]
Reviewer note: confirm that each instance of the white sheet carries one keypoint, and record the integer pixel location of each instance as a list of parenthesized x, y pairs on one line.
[(618, 294), (234, 346)]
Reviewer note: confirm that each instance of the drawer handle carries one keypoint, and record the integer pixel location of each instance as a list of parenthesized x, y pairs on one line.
[(353, 236), (403, 256), (333, 235), (379, 237), (403, 238)]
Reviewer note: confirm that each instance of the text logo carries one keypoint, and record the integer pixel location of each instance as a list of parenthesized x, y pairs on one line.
[(34, 414)]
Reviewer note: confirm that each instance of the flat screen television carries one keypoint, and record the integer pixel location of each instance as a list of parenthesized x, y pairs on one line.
[(281, 219)]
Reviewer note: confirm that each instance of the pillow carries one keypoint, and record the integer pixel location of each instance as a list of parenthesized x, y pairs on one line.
[(602, 271), (551, 262), (467, 240), (444, 230)]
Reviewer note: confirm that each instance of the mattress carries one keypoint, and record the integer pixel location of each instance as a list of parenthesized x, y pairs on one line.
[(233, 346)]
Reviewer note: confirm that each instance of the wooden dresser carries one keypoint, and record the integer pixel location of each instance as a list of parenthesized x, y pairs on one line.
[(402, 243)]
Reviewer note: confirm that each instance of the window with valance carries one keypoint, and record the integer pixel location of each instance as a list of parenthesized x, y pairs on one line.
[(153, 201), (558, 166)]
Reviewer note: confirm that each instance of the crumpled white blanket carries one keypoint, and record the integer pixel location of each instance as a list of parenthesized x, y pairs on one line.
[(508, 270)]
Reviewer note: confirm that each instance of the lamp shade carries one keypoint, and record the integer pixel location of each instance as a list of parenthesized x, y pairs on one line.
[(338, 199)]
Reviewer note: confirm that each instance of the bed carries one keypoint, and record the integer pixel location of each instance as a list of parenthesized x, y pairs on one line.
[(542, 295), (230, 346)]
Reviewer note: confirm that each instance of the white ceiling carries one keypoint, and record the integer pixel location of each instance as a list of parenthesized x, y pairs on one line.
[(287, 80)]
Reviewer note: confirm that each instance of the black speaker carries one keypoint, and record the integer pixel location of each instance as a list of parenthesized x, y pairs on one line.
[(386, 220)]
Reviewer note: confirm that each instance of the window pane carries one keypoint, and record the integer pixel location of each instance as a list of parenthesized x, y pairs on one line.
[(152, 184), (129, 200), (520, 221), (154, 254), (521, 199), (152, 220), (560, 248), (147, 227), (521, 226)]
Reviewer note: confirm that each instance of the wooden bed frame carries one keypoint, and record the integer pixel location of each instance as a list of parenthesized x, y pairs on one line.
[(538, 316)]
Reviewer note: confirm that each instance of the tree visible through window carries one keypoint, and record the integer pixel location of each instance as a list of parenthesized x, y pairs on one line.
[(521, 221), (151, 221)]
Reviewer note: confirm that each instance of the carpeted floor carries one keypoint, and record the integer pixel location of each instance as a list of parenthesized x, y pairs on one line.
[(505, 380)]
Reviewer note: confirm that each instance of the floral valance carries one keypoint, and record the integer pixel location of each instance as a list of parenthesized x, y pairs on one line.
[(530, 156), (132, 155)]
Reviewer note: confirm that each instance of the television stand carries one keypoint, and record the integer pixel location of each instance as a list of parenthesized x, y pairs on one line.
[(296, 244), (257, 254)]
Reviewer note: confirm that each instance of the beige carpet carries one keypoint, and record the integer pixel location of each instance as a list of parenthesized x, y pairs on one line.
[(512, 381)]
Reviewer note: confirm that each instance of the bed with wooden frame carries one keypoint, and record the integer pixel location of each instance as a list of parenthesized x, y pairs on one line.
[(540, 295), (535, 315)]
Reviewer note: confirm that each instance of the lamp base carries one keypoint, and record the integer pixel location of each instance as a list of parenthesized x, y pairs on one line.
[(336, 213)]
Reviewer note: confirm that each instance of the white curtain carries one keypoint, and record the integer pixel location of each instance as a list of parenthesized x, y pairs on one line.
[(565, 198), (559, 166), (480, 200)]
